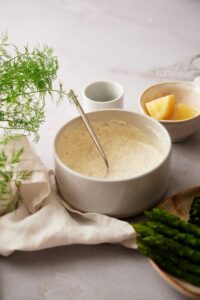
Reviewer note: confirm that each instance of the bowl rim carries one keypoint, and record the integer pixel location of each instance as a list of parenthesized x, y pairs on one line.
[(98, 179), (173, 122)]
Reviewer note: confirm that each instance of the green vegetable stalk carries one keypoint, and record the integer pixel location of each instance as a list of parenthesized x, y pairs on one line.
[(171, 243), (165, 217), (195, 211), (153, 227), (173, 265)]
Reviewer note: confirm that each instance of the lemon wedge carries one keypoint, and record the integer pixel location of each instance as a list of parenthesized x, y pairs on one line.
[(161, 108), (183, 111)]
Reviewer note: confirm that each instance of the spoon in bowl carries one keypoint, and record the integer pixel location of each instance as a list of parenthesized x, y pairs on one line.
[(73, 98)]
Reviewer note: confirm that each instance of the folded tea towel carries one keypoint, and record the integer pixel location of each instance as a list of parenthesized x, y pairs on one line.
[(43, 219)]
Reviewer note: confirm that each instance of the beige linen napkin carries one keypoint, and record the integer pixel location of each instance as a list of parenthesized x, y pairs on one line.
[(43, 219)]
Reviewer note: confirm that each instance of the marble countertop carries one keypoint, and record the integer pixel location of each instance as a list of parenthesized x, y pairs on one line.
[(136, 43)]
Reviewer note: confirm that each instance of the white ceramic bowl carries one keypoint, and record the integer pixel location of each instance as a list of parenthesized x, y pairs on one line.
[(105, 94), (120, 198), (186, 92)]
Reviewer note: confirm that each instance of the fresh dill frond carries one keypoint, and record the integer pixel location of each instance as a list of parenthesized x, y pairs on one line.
[(73, 98), (11, 180), (26, 78)]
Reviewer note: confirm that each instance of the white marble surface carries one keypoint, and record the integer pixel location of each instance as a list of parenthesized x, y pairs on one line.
[(135, 43)]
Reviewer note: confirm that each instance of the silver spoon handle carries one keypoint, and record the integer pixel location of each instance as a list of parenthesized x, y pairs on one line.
[(92, 134)]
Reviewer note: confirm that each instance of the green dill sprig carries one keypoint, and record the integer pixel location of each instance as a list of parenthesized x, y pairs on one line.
[(73, 98), (26, 78), (11, 180), (6, 138)]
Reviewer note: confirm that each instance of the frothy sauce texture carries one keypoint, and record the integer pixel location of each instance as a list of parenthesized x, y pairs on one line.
[(130, 151)]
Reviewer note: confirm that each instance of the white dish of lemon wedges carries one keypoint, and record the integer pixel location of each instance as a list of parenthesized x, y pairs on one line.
[(176, 105)]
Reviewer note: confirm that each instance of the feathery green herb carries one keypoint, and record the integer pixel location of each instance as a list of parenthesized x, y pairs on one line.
[(26, 78), (10, 180)]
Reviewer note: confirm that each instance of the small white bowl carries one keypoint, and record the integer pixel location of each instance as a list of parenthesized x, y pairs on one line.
[(119, 198), (105, 94), (185, 92)]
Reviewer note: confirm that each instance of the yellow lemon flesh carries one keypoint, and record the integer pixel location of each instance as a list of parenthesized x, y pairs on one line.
[(183, 112), (161, 108)]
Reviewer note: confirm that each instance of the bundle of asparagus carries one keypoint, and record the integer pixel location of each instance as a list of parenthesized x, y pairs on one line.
[(173, 244)]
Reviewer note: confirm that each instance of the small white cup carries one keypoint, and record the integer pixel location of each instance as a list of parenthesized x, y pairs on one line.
[(99, 95)]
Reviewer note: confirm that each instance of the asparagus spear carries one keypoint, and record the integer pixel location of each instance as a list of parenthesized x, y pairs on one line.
[(185, 264), (142, 229), (158, 214), (168, 241), (183, 237), (180, 269), (195, 211), (157, 241)]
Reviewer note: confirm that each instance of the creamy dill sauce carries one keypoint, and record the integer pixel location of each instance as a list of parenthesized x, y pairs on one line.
[(130, 151)]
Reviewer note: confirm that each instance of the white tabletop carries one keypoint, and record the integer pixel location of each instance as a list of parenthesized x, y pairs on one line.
[(135, 43)]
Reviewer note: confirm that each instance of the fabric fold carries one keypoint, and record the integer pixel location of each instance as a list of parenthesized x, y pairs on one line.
[(43, 219)]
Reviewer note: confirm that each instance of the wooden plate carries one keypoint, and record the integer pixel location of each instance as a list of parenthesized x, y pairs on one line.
[(179, 205)]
